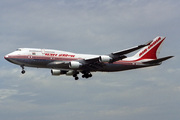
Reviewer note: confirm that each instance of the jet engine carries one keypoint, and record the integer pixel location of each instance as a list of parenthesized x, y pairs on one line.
[(57, 72), (105, 58), (74, 65)]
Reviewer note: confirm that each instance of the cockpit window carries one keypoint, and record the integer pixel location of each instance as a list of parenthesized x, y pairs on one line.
[(18, 49)]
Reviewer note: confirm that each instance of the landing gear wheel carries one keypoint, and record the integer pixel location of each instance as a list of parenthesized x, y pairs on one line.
[(23, 71), (90, 75), (76, 78), (87, 75)]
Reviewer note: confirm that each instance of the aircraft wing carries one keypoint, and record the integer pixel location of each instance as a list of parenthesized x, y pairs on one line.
[(91, 63), (91, 60), (119, 55), (57, 64), (115, 56), (126, 51)]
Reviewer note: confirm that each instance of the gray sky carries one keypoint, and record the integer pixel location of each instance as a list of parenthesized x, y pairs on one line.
[(96, 27)]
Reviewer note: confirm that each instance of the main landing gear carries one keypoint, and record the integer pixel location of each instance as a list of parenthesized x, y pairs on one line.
[(85, 75), (23, 71), (75, 77)]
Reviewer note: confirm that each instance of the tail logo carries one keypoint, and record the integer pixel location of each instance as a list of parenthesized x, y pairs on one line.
[(150, 46)]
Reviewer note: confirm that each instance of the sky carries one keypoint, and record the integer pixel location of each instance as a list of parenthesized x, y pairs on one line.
[(92, 27)]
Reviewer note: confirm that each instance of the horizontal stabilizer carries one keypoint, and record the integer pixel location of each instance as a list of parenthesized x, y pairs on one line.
[(158, 60)]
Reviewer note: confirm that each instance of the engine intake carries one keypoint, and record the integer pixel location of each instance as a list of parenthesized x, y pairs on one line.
[(74, 65), (105, 58)]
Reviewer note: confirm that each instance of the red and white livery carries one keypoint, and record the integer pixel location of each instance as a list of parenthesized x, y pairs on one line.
[(71, 64)]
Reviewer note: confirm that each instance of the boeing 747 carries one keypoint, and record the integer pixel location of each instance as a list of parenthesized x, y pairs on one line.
[(71, 64)]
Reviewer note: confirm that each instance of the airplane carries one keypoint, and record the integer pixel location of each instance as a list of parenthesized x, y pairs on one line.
[(71, 64)]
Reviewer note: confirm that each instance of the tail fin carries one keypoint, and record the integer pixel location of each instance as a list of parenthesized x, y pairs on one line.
[(151, 51)]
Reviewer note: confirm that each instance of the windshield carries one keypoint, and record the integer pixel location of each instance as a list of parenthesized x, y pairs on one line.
[(18, 49)]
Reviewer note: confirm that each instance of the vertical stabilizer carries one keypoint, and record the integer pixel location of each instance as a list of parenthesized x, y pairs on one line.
[(151, 51)]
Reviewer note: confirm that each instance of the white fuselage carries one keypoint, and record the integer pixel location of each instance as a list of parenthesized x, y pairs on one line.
[(40, 58)]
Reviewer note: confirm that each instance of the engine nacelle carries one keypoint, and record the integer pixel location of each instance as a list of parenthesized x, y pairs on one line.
[(74, 65), (57, 72), (105, 58)]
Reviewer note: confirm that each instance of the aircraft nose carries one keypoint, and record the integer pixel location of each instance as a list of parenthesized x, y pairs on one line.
[(7, 57)]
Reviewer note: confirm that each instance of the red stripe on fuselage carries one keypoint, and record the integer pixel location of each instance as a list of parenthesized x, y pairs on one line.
[(62, 59), (41, 57)]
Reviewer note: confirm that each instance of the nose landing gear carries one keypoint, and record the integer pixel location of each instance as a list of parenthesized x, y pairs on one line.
[(23, 71)]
